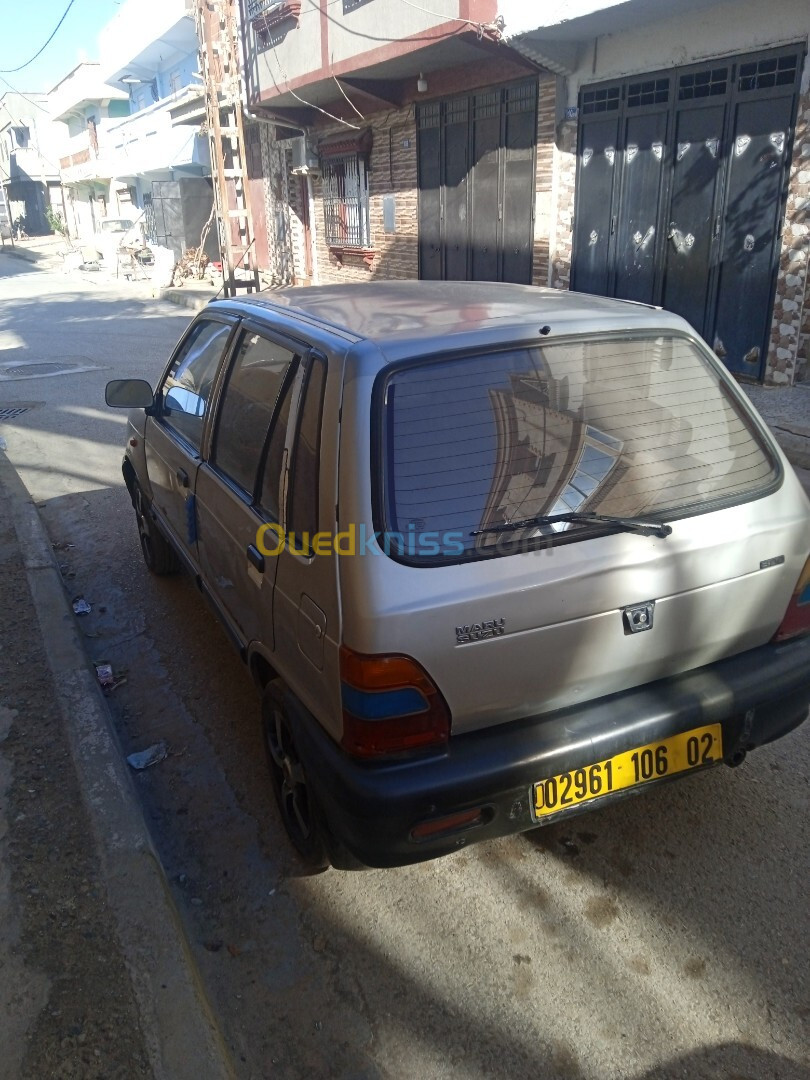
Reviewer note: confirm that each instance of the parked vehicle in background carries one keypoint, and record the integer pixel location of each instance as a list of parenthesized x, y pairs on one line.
[(120, 236), (495, 555)]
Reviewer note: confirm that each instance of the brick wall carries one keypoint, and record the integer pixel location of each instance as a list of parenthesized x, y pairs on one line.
[(392, 171), (790, 329), (544, 180)]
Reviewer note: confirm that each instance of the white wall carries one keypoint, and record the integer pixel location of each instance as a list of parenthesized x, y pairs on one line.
[(720, 30), (520, 16)]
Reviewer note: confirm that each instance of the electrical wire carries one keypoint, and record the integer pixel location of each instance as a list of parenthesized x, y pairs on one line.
[(310, 105), (479, 26), (10, 71), (340, 88), (31, 101)]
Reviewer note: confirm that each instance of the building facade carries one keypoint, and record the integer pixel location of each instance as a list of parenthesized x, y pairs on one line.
[(87, 109), (150, 51), (29, 165), (612, 148), (682, 166)]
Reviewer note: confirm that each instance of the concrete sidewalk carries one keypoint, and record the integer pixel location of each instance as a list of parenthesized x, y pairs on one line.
[(96, 978), (786, 411)]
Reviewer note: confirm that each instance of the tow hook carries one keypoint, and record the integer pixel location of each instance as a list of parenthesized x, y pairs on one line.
[(737, 758)]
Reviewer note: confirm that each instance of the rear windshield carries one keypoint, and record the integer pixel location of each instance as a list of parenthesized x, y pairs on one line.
[(624, 427)]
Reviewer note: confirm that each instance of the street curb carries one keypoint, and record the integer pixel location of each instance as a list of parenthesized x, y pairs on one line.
[(185, 299), (18, 253), (181, 1035)]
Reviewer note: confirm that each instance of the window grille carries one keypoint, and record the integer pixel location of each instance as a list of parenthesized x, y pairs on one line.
[(775, 71), (428, 116), (648, 92), (521, 98), (606, 100), (345, 200), (701, 84)]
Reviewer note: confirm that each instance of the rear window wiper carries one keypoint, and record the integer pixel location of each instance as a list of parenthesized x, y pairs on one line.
[(642, 526)]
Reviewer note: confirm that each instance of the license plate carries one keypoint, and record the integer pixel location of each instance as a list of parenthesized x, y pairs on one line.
[(690, 750)]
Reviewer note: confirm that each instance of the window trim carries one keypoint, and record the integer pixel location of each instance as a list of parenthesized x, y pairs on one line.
[(309, 363), (378, 434), (198, 453), (250, 498)]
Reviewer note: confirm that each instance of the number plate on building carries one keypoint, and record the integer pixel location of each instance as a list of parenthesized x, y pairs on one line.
[(679, 753)]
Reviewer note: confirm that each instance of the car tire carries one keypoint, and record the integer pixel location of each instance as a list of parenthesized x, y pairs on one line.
[(298, 806), (158, 554)]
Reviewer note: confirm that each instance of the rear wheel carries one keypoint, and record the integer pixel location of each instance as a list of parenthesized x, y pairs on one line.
[(297, 802), (158, 554)]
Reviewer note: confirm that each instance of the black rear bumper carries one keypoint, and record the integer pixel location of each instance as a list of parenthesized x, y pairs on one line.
[(370, 808)]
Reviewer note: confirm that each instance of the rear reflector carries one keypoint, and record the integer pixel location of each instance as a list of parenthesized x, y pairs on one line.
[(452, 823), (797, 616), (390, 704)]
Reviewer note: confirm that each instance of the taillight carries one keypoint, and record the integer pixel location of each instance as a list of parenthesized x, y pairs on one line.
[(390, 704), (797, 616)]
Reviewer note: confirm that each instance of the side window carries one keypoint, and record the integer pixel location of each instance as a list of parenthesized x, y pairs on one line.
[(274, 462), (303, 516), (187, 388), (254, 384)]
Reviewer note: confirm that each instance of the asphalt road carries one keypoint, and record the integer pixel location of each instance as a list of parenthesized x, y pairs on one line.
[(664, 937)]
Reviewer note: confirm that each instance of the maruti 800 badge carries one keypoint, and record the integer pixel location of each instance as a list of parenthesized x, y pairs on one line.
[(480, 631)]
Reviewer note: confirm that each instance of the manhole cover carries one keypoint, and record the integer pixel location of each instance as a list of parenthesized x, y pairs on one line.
[(43, 369), (12, 413)]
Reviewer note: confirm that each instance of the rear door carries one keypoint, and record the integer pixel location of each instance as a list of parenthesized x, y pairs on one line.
[(239, 486), (174, 436)]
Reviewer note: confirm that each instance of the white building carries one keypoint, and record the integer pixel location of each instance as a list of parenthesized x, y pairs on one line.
[(87, 108), (29, 161), (150, 51)]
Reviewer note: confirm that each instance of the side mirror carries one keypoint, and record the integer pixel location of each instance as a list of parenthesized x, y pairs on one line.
[(129, 394)]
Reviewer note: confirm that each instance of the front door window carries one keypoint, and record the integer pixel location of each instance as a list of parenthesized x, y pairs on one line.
[(186, 389)]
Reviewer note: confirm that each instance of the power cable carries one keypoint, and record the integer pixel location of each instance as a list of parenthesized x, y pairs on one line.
[(10, 71), (14, 90)]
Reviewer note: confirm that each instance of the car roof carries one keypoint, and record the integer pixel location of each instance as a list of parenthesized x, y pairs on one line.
[(398, 315)]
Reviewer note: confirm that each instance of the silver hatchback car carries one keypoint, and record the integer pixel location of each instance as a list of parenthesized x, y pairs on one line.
[(495, 555)]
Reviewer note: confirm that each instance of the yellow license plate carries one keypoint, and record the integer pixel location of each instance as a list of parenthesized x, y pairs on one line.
[(679, 753)]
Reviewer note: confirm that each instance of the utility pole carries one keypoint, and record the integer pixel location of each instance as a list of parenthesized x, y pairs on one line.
[(218, 31)]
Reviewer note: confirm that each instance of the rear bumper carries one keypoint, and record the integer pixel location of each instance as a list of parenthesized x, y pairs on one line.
[(371, 808)]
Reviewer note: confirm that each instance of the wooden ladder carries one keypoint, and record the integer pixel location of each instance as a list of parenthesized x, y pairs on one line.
[(218, 31)]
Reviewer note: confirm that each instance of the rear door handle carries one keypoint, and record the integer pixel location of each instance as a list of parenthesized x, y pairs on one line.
[(182, 477), (255, 558)]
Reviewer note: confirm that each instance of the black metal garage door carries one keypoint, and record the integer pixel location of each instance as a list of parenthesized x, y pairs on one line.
[(681, 187), (476, 185)]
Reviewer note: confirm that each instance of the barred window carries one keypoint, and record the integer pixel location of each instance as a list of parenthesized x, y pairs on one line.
[(345, 200)]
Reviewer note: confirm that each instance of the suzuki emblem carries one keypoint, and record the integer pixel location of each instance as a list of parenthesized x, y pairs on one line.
[(638, 617)]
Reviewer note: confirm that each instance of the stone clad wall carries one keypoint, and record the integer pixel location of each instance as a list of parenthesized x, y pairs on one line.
[(562, 225), (790, 329)]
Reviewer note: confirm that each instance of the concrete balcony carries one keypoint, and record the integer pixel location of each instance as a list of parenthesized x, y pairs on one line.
[(85, 158), (148, 142), (145, 36)]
